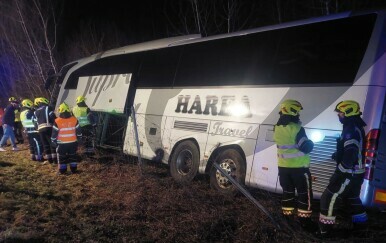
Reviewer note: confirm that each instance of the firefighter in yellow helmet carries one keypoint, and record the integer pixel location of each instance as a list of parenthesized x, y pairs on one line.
[(45, 118), (87, 123), (27, 118), (18, 128), (65, 135), (345, 184), (293, 148)]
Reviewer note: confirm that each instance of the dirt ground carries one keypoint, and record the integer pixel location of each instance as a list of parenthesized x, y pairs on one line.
[(112, 200)]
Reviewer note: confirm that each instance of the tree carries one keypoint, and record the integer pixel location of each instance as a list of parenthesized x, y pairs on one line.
[(28, 32)]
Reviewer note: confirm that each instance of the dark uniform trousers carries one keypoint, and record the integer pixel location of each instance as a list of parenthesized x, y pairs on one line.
[(299, 178), (87, 138), (342, 185), (35, 146), (45, 137), (67, 155), (18, 131)]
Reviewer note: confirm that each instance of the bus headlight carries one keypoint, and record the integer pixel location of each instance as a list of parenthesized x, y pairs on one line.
[(316, 136)]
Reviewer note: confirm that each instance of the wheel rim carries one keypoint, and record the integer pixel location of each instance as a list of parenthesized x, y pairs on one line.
[(229, 166), (184, 162)]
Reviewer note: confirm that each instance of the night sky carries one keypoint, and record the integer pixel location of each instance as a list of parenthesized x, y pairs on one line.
[(139, 20), (144, 20)]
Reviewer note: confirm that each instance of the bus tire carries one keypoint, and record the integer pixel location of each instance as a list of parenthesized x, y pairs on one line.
[(184, 162), (232, 162)]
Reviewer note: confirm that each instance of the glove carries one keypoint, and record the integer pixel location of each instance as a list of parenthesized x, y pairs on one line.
[(333, 156)]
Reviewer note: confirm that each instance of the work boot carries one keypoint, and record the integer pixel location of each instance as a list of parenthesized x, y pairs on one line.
[(324, 231), (290, 220), (308, 225), (62, 168), (73, 167)]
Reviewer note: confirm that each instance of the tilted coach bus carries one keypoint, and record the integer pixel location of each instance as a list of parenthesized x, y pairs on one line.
[(200, 101)]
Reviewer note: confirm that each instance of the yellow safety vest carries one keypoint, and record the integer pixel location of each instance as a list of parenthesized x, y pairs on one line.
[(288, 154), (81, 114), (27, 123), (17, 115)]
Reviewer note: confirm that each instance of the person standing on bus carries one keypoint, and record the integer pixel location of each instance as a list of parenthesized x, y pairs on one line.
[(86, 121), (65, 134), (45, 118), (293, 148), (8, 124), (27, 117), (345, 184)]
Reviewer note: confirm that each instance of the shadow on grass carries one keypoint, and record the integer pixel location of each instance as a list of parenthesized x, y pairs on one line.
[(5, 164), (34, 195)]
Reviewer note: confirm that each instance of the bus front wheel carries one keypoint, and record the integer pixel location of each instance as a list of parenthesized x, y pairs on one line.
[(184, 162), (231, 161)]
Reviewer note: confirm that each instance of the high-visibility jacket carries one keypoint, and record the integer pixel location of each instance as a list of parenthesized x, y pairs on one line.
[(26, 118), (82, 115), (45, 116), (349, 154), (66, 130), (288, 152), (17, 115)]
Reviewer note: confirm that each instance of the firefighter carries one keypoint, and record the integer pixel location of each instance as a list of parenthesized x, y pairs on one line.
[(65, 134), (345, 184), (293, 148), (18, 128), (45, 118), (27, 117), (86, 121)]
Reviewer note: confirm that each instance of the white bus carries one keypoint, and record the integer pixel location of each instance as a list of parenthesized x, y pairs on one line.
[(200, 101)]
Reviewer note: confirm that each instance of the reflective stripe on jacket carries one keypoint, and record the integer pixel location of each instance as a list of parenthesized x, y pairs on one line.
[(288, 154), (44, 116), (81, 114), (66, 129), (28, 124)]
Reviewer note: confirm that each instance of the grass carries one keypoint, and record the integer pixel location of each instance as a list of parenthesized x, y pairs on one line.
[(109, 200)]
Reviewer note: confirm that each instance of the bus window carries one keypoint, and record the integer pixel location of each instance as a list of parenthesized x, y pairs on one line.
[(109, 65), (158, 68), (326, 52), (204, 64)]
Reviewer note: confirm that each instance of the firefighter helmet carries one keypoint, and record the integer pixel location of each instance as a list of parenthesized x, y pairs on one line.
[(63, 108), (36, 101), (12, 99), (290, 107), (44, 100), (27, 103), (349, 108), (80, 99)]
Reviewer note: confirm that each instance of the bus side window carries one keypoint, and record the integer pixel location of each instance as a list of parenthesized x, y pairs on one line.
[(158, 68)]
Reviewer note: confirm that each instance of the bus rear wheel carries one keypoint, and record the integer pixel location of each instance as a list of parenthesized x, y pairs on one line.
[(231, 161), (184, 162)]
